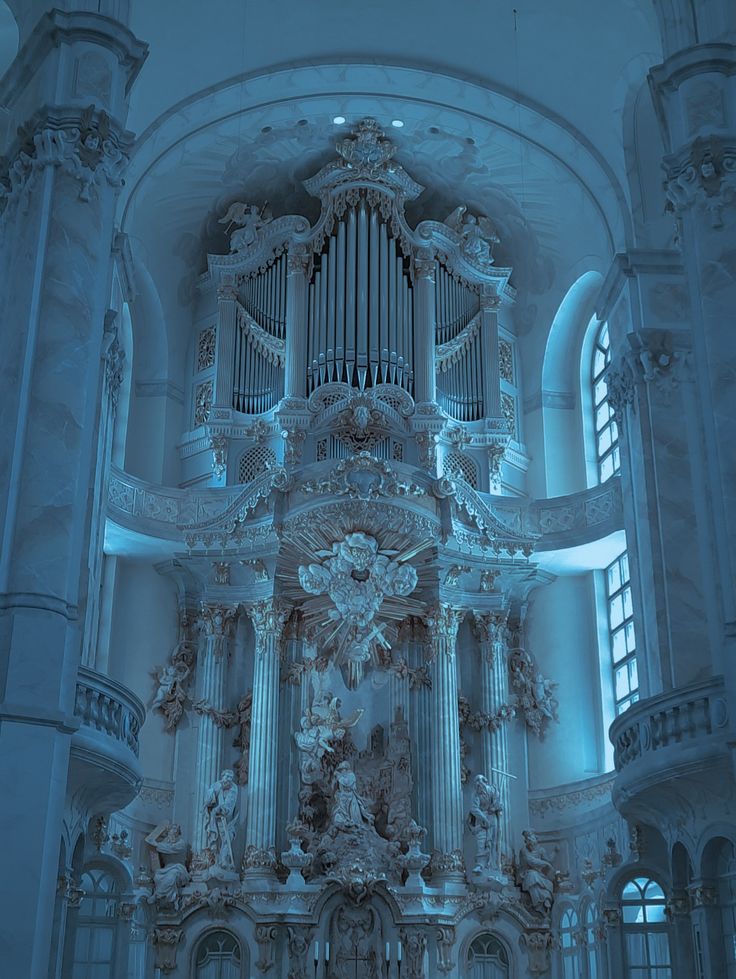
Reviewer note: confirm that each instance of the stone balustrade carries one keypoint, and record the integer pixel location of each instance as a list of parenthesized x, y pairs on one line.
[(105, 773), (109, 707), (668, 739), (559, 522)]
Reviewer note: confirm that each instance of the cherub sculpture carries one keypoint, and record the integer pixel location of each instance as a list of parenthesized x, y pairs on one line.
[(477, 233), (249, 220)]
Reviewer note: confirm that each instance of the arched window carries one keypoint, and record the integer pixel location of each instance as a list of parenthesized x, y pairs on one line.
[(487, 959), (607, 451), (646, 938), (218, 957), (96, 932), (569, 945), (591, 950)]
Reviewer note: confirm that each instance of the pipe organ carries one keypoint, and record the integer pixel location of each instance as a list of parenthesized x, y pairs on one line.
[(360, 320), (359, 299)]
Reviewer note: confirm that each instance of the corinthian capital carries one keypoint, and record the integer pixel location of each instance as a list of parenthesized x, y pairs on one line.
[(268, 617), (490, 628), (217, 622), (443, 622)]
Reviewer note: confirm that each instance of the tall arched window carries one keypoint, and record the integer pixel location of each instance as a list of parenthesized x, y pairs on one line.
[(619, 610), (96, 932), (569, 945), (487, 959), (591, 950), (218, 956), (645, 929), (608, 453)]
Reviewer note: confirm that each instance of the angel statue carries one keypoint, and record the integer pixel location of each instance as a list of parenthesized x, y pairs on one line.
[(249, 220), (477, 233), (170, 691)]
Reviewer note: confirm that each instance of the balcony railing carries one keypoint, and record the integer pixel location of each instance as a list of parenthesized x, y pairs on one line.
[(689, 717), (109, 707)]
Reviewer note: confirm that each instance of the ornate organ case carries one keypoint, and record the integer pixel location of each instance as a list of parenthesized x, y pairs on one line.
[(358, 305)]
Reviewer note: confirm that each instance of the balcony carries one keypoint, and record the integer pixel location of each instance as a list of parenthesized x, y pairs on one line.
[(104, 771), (670, 749)]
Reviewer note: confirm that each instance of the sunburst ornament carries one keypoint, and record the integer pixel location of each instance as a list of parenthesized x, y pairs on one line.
[(355, 578)]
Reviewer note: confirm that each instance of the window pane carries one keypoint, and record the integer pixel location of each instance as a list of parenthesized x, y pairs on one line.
[(636, 953), (622, 682), (601, 416), (653, 892), (616, 611), (599, 392), (659, 950), (628, 611), (599, 361), (619, 645), (614, 577), (633, 675), (655, 913), (606, 468), (604, 441), (616, 459), (630, 638)]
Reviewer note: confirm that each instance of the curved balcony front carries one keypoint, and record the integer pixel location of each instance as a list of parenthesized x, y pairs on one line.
[(104, 770), (671, 749)]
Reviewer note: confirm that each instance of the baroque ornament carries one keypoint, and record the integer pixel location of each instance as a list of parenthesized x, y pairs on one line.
[(356, 578)]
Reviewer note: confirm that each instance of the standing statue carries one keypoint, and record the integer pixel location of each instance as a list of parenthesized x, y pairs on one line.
[(536, 874), (484, 823), (321, 728), (220, 806), (168, 862)]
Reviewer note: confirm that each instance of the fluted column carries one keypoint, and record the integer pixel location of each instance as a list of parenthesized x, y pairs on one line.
[(227, 324), (268, 618), (490, 631), (446, 789), (216, 622), (425, 315), (295, 384)]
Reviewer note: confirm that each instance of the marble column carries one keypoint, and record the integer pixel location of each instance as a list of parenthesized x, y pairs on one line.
[(446, 791), (490, 631), (425, 323), (268, 619), (295, 383), (216, 624), (695, 98), (66, 97)]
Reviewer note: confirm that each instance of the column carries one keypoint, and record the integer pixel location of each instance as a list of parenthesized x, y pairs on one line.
[(268, 618), (425, 316), (227, 324), (216, 624), (489, 303), (490, 631), (66, 95), (706, 919), (695, 98), (295, 384), (446, 789)]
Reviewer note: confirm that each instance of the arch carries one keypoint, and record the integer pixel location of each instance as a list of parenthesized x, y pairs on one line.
[(705, 861), (563, 436), (487, 957), (218, 953)]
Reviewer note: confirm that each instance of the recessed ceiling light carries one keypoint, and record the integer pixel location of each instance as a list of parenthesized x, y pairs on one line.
[(339, 120), (397, 122)]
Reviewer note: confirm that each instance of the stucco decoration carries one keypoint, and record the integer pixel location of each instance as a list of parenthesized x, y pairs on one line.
[(355, 579)]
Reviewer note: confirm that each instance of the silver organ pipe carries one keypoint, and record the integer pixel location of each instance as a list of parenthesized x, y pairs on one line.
[(360, 304)]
